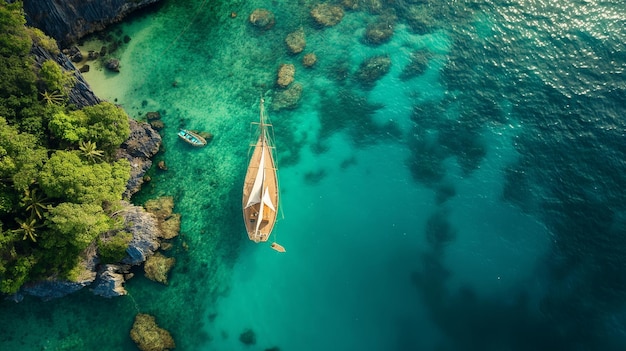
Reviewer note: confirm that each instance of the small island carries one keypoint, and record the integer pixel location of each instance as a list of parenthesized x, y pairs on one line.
[(69, 163)]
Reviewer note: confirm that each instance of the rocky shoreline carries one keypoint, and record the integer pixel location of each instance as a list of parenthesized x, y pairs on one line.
[(68, 21)]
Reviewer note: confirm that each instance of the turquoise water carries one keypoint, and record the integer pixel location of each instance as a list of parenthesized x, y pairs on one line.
[(475, 206)]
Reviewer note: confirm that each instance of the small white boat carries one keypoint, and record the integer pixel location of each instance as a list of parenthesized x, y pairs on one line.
[(192, 138)]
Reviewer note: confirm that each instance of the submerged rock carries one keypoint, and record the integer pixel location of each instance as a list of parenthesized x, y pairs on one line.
[(157, 124), (309, 59), (327, 15), (161, 207), (286, 74), (158, 266), (296, 41), (168, 221), (248, 337), (149, 336), (372, 70), (170, 227), (417, 65), (112, 64), (380, 31), (262, 19), (288, 98)]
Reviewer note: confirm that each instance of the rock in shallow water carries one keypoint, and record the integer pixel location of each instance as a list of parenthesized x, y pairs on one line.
[(373, 69), (262, 19), (145, 230), (309, 59), (157, 267), (288, 98), (296, 41), (149, 336), (110, 281), (327, 15), (112, 65), (286, 74)]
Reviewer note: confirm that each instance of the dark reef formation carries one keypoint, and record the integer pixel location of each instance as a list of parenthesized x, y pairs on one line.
[(68, 20)]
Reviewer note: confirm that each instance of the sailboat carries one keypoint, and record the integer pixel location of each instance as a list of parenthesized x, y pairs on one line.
[(260, 188)]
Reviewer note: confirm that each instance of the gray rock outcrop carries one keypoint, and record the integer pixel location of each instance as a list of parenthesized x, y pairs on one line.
[(81, 94), (145, 229), (110, 282), (68, 20), (142, 144), (53, 288)]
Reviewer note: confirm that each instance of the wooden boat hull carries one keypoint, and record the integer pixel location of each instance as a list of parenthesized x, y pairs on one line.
[(260, 217), (192, 138)]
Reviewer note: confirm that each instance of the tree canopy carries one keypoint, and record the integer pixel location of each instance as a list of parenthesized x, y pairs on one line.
[(65, 176), (59, 181)]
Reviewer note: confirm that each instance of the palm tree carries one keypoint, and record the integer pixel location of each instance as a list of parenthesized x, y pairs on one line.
[(27, 228), (54, 97), (90, 150), (35, 203)]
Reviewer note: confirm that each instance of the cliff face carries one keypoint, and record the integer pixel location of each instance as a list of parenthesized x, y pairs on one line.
[(68, 20), (81, 94)]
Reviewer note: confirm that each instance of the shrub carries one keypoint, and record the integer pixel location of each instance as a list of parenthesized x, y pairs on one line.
[(112, 249)]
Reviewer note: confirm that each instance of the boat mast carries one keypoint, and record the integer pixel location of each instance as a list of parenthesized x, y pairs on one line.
[(257, 230), (262, 117)]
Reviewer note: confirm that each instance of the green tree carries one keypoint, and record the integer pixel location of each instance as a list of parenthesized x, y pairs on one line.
[(39, 38), (28, 228), (108, 126), (90, 151), (69, 126), (35, 203), (14, 38), (21, 157), (18, 91), (104, 124), (17, 273), (66, 176), (52, 76), (76, 225), (112, 248)]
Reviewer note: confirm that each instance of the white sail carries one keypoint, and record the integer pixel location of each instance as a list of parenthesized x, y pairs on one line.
[(266, 199), (257, 188), (259, 219)]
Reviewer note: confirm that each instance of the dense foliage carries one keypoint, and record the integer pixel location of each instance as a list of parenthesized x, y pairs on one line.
[(59, 182)]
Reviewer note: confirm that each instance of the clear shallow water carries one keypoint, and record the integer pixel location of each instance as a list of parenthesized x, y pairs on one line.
[(476, 206)]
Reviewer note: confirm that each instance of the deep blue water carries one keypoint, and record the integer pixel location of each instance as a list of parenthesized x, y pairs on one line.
[(476, 204)]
